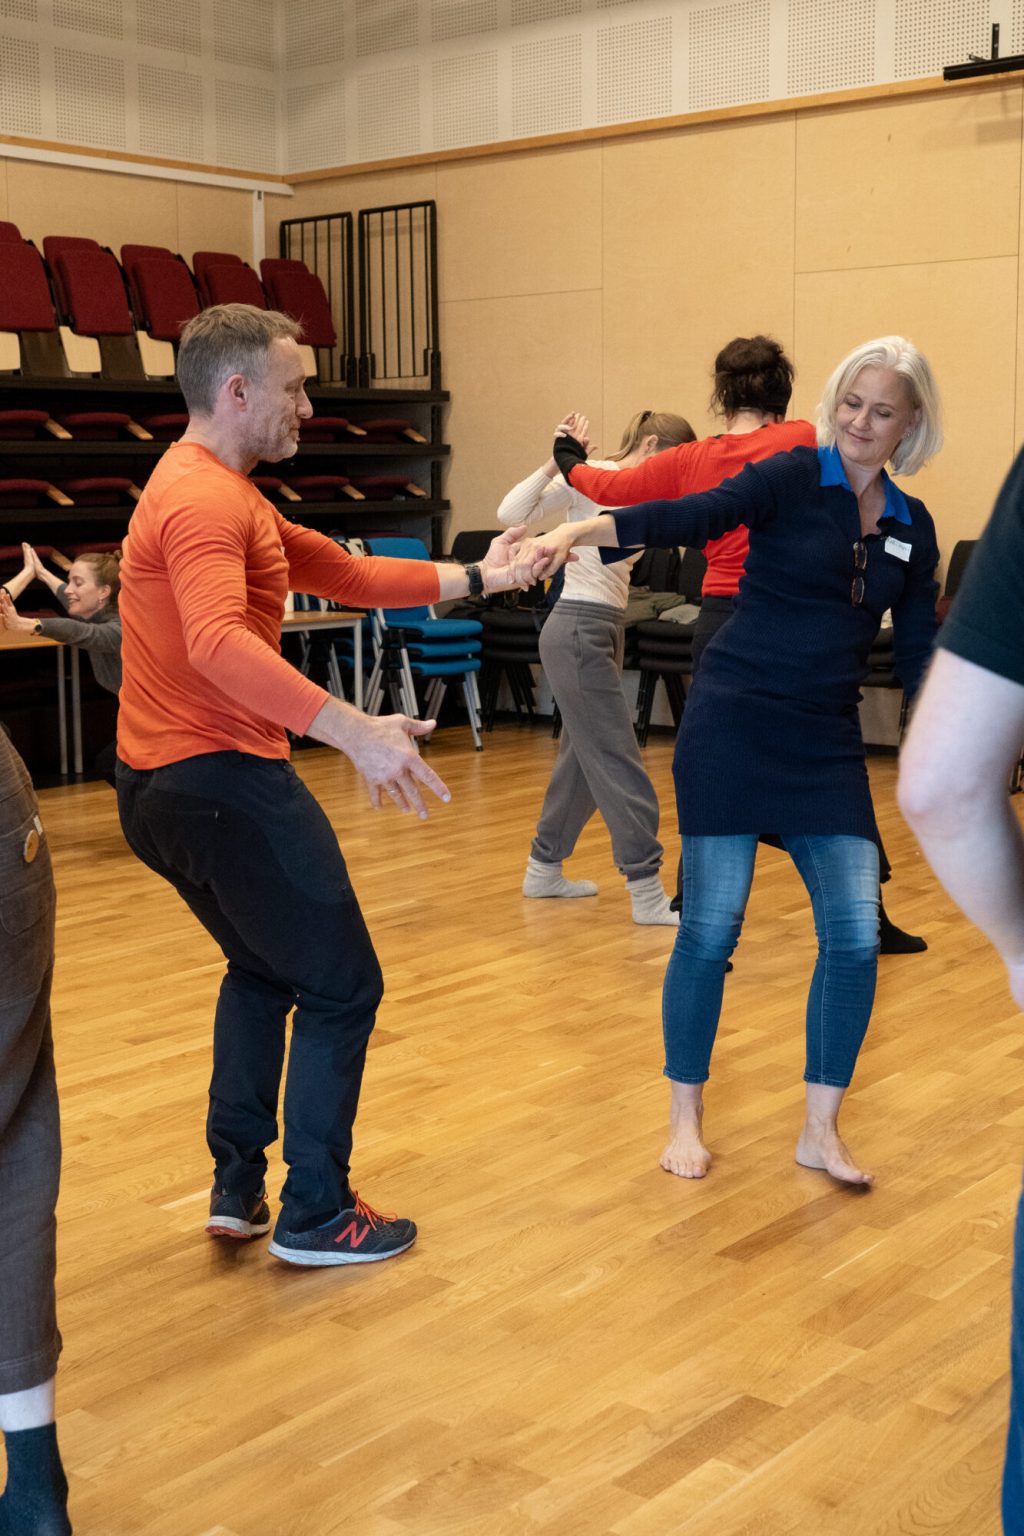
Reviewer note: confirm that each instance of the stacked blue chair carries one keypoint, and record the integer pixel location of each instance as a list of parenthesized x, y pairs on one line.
[(413, 644)]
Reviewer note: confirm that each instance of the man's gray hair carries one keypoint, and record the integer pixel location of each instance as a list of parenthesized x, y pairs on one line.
[(224, 340), (924, 439)]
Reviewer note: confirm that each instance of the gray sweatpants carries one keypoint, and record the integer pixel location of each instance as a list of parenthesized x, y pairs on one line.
[(29, 1124), (599, 765)]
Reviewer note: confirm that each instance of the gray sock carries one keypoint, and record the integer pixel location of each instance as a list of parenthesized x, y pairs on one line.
[(650, 904), (548, 880)]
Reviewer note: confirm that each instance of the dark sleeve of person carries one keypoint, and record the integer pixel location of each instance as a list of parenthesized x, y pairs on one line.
[(102, 639), (748, 498), (568, 455), (986, 622), (914, 623)]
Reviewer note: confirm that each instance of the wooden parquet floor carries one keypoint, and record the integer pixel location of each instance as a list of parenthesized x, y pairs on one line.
[(578, 1343)]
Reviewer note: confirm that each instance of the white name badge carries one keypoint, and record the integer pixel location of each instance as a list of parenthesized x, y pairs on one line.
[(898, 548)]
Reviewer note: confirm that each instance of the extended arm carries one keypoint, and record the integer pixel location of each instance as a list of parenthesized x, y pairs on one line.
[(966, 735), (318, 565), (747, 499), (14, 586), (101, 639)]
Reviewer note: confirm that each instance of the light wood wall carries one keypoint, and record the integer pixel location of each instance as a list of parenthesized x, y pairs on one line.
[(604, 276), (115, 209)]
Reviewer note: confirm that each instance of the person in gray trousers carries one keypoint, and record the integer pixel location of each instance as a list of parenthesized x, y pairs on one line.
[(34, 1502), (599, 766)]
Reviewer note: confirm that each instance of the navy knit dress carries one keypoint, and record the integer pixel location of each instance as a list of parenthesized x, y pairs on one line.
[(770, 741)]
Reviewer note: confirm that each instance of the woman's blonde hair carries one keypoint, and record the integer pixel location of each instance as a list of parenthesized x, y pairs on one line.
[(924, 439), (106, 569), (669, 429)]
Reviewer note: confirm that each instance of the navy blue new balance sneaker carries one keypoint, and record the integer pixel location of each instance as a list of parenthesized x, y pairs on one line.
[(238, 1216), (359, 1235)]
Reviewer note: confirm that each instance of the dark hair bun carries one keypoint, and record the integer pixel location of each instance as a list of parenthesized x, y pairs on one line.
[(752, 373)]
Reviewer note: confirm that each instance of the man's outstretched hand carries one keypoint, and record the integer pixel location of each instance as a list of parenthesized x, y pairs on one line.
[(383, 748)]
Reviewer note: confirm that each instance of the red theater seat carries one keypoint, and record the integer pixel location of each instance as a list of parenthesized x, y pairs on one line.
[(25, 301), (165, 298), (292, 288), (324, 487), (96, 303), (100, 491), (8, 231), (387, 487), (130, 254), (166, 427), (234, 284)]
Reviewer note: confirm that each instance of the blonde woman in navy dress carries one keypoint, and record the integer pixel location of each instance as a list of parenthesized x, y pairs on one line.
[(770, 744)]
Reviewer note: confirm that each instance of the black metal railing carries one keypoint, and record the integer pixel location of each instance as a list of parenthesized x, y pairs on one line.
[(325, 244), (398, 304)]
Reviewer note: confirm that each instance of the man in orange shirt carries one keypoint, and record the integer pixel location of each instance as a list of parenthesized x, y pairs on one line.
[(209, 801)]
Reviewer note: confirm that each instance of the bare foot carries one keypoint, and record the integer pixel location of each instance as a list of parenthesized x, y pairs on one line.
[(821, 1146), (686, 1155)]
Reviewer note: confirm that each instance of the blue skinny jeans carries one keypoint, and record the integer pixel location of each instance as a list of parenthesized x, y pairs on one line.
[(841, 876)]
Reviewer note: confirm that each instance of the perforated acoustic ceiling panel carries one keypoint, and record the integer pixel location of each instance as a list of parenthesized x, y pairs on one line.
[(20, 110), (244, 33), (90, 94), (296, 84), (388, 116), (547, 86), (932, 33), (729, 57), (526, 12), (1016, 43), (246, 125), (461, 18), (314, 33), (175, 28), (170, 113), (634, 70), (316, 124), (831, 45), (98, 18), (465, 100), (384, 25)]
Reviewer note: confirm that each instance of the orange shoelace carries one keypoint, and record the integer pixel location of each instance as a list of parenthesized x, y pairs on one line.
[(375, 1218)]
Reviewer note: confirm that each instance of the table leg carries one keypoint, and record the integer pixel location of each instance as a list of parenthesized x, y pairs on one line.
[(62, 712), (357, 665), (76, 709)]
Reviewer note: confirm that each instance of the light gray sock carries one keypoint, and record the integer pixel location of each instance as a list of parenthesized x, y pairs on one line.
[(650, 904), (548, 880)]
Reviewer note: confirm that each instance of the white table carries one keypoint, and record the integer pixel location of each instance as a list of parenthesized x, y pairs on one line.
[(313, 620)]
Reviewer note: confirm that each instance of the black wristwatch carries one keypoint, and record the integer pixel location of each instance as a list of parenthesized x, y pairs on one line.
[(474, 576)]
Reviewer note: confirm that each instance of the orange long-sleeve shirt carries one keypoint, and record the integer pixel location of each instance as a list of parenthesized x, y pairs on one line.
[(207, 565), (698, 467)]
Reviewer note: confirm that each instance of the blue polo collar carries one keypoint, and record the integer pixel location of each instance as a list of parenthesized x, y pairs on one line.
[(833, 473)]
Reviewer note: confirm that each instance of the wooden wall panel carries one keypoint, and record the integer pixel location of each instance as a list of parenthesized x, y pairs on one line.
[(958, 314), (915, 181), (513, 365), (698, 248)]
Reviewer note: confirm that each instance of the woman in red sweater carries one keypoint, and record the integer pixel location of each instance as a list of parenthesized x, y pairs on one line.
[(752, 389)]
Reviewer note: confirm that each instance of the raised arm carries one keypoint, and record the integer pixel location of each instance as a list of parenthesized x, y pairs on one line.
[(539, 496), (15, 585)]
